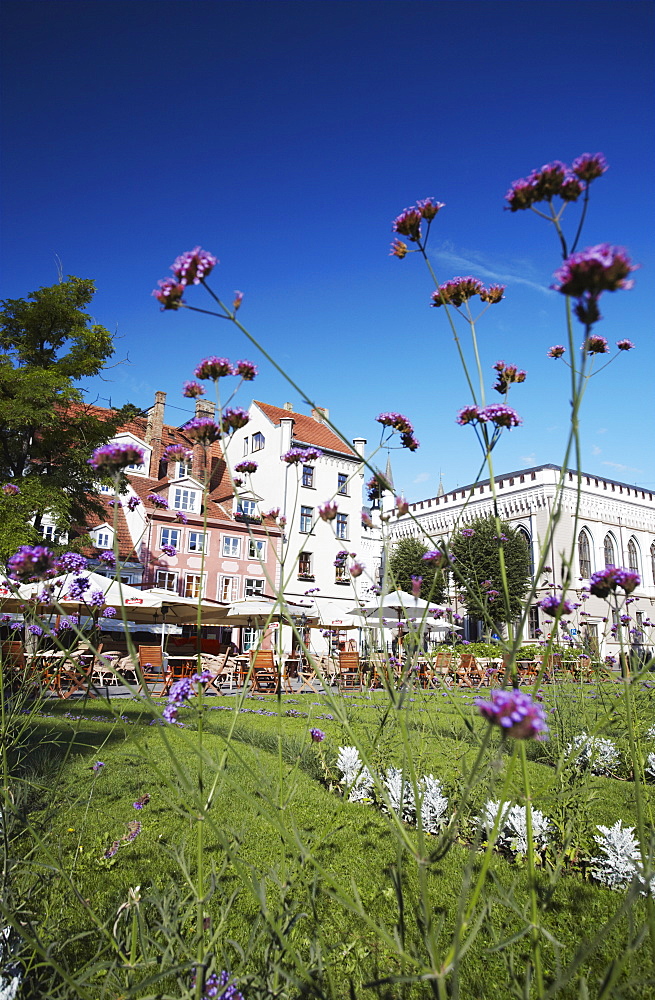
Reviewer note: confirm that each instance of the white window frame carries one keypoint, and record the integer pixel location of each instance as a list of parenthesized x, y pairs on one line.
[(250, 638), (258, 441), (184, 499), (245, 445), (306, 520), (308, 477), (341, 527), (254, 587), (163, 577), (166, 539), (195, 535), (307, 568), (228, 588), (259, 545), (183, 469), (202, 577), (225, 546), (250, 504), (103, 539), (342, 489)]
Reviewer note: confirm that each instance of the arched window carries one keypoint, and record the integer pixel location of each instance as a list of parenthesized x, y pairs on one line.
[(526, 538), (584, 555), (608, 549), (652, 560), (633, 556)]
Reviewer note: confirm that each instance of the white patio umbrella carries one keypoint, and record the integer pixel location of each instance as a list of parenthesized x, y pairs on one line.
[(397, 604), (184, 610), (258, 611), (139, 605)]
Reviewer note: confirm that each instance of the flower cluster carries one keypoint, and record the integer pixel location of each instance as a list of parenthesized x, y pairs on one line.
[(516, 714), (317, 735), (111, 458), (408, 223), (157, 500), (246, 467), (191, 390), (328, 511), (457, 291), (376, 486), (181, 692), (557, 351), (438, 558), (233, 419), (555, 604), (72, 562), (496, 413), (506, 375), (587, 274), (32, 562), (133, 503), (400, 423), (215, 982), (169, 550), (10, 489), (191, 267), (556, 180), (176, 453), (298, 456), (605, 581), (202, 430)]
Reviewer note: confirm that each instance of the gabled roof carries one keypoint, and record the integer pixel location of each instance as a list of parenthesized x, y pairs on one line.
[(306, 430)]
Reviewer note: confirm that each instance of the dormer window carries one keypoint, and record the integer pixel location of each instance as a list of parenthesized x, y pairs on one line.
[(247, 508), (258, 441), (182, 470), (102, 537), (184, 499)]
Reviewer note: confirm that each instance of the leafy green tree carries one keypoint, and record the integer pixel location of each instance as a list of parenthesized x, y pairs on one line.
[(406, 561), (477, 569), (48, 342)]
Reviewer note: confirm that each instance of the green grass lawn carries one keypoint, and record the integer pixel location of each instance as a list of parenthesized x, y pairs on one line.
[(307, 894)]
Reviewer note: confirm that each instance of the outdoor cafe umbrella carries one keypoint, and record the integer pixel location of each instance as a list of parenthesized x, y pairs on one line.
[(256, 612), (138, 604), (176, 610)]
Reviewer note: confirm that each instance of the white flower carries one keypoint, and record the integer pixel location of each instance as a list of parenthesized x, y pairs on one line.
[(621, 855), (600, 755), (514, 832), (433, 804), (401, 795), (487, 817)]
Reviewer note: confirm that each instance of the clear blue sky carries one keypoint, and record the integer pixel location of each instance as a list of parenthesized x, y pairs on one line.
[(285, 137)]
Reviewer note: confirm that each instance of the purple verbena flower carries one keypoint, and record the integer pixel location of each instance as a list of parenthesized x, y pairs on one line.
[(247, 467), (194, 265), (246, 370), (98, 766), (397, 421), (181, 516), (111, 458), (468, 415), (398, 249), (601, 268), (169, 550), (589, 166), (108, 558), (202, 430), (133, 503), (71, 562), (192, 390), (133, 831), (77, 588), (96, 600), (625, 345), (328, 511), (500, 415), (317, 735), (169, 294), (214, 368), (516, 713), (177, 453), (109, 613), (457, 291), (556, 604), (234, 419), (595, 345), (402, 507), (157, 500), (143, 801), (356, 569), (10, 489), (557, 351)]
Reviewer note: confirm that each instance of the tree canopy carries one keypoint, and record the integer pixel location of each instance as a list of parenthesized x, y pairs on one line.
[(477, 569), (48, 342), (406, 561)]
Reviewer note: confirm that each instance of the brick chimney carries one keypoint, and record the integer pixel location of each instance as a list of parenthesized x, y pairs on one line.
[(154, 432), (205, 408), (320, 414)]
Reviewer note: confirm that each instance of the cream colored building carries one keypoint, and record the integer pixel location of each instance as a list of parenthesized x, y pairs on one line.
[(613, 524)]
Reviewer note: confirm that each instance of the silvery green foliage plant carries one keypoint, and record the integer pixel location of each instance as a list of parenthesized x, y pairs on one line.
[(356, 776), (650, 765), (514, 831), (620, 855), (434, 804), (400, 794), (597, 753)]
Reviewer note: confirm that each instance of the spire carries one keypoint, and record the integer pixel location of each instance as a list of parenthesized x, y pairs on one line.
[(388, 474), (440, 491)]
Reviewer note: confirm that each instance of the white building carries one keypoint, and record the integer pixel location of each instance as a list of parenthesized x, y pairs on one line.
[(298, 490), (613, 524)]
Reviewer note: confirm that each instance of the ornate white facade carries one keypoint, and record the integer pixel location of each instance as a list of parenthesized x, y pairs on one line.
[(602, 521)]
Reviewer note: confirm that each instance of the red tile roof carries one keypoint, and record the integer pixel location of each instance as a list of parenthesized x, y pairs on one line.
[(306, 430)]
